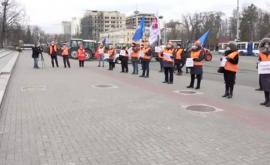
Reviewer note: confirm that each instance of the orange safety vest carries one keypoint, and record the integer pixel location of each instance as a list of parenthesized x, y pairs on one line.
[(264, 57), (229, 66), (168, 52), (65, 51), (145, 57), (51, 49), (111, 53), (196, 55), (179, 54), (81, 54), (135, 55)]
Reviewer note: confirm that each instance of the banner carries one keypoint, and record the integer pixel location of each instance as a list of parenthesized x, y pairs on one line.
[(223, 62)]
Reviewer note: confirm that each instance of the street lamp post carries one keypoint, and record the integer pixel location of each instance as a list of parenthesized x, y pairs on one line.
[(238, 23)]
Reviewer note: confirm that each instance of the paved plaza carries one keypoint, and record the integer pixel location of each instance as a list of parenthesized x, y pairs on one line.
[(92, 116)]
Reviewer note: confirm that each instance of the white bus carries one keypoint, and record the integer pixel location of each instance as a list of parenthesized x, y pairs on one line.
[(244, 48)]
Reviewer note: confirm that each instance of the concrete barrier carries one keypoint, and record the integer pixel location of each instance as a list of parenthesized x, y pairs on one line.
[(5, 75)]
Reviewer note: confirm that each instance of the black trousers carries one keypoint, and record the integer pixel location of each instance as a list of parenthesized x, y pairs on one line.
[(54, 59), (229, 78), (111, 65), (81, 63), (267, 96), (66, 61), (124, 64), (146, 69), (199, 79), (168, 71), (179, 64)]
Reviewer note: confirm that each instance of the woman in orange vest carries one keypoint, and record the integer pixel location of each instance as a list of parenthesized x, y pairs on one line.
[(111, 53), (65, 54), (81, 54), (197, 54), (135, 58), (168, 63), (146, 50), (53, 54), (264, 56), (230, 68)]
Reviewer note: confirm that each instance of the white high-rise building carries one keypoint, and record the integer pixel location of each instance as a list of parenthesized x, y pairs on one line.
[(75, 26)]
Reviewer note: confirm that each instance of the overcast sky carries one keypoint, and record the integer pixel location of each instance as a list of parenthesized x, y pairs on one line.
[(48, 14)]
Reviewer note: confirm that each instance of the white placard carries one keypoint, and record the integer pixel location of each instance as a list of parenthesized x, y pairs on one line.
[(264, 67), (122, 53), (141, 54), (106, 56), (158, 49), (189, 62), (223, 62)]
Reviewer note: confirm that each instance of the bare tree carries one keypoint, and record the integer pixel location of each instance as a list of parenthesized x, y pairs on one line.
[(12, 16)]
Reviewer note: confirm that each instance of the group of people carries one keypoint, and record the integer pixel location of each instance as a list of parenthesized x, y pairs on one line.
[(172, 58)]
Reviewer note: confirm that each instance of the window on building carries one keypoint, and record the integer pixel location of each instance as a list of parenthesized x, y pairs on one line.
[(112, 17), (107, 17)]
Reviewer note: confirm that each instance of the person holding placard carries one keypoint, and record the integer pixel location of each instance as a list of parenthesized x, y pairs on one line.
[(124, 59), (264, 69), (230, 68), (146, 58), (168, 63), (135, 58), (111, 53), (100, 52), (195, 63)]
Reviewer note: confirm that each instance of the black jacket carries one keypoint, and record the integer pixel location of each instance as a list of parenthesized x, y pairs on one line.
[(36, 51)]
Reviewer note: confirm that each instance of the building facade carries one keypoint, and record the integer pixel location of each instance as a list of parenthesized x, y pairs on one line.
[(134, 20), (95, 22), (66, 27), (75, 26)]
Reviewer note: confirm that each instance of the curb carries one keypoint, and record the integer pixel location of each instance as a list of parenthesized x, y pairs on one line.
[(5, 75)]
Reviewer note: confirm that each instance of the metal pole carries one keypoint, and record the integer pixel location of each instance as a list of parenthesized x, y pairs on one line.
[(238, 23)]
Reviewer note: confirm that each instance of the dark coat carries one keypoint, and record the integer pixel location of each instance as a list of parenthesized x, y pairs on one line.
[(265, 80), (35, 52)]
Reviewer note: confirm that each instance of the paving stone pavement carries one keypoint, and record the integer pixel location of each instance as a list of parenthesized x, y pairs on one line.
[(54, 116)]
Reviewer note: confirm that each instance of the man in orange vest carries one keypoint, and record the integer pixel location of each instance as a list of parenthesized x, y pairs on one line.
[(112, 54), (197, 55), (53, 53), (179, 61), (135, 57), (264, 56), (65, 54), (81, 54), (146, 58), (230, 68), (100, 52), (168, 62)]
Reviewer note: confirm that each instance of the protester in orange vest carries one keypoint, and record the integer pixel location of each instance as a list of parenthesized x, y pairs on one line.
[(179, 60), (100, 52), (135, 58), (53, 53), (168, 62), (81, 54), (112, 54), (65, 54), (230, 68), (264, 56), (196, 53), (146, 58), (160, 59)]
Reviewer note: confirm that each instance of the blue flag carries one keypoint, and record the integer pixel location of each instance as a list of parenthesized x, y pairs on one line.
[(203, 38), (139, 31)]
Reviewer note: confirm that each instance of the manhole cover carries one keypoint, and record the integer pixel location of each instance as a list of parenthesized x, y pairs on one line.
[(187, 92), (33, 88), (201, 108), (104, 86)]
